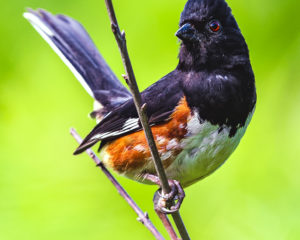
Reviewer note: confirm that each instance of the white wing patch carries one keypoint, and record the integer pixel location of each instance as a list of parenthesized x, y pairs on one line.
[(47, 34), (222, 77), (129, 125)]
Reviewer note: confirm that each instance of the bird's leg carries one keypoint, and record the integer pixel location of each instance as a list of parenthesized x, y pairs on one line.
[(167, 203)]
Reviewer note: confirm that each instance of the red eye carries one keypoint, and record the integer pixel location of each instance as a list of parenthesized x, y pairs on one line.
[(215, 26)]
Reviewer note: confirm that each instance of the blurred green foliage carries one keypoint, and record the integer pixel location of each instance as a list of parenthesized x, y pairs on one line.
[(46, 193)]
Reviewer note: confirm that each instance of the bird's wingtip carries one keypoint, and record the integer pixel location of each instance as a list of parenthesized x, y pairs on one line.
[(84, 146)]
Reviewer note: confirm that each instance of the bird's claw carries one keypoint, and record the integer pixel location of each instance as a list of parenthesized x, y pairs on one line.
[(171, 202)]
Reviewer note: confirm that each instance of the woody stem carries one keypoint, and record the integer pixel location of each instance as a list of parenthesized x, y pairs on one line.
[(142, 217), (141, 109)]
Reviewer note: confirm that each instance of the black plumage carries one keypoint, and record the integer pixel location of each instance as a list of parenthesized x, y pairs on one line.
[(74, 43), (214, 73)]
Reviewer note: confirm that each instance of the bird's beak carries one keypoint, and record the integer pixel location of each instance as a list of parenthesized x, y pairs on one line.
[(186, 33)]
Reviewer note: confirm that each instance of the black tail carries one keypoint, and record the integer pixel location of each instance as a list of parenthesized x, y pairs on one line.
[(72, 43)]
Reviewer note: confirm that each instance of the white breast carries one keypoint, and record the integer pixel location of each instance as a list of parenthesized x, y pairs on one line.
[(206, 148)]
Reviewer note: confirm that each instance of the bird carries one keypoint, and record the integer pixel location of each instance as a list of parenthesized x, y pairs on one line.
[(198, 112)]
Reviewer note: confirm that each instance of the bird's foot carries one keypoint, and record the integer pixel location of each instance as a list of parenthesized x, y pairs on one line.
[(167, 203)]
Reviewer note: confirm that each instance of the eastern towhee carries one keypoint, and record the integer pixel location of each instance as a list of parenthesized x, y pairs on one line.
[(198, 113)]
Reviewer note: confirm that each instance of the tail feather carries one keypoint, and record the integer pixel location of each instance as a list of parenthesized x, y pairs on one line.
[(72, 43)]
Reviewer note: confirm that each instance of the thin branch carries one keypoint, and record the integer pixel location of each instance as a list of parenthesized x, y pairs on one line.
[(167, 224), (142, 217), (131, 81)]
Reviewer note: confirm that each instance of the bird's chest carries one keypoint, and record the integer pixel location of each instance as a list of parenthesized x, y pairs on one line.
[(204, 149)]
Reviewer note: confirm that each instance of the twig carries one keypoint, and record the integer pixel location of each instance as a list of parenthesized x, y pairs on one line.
[(131, 81), (167, 224), (142, 217)]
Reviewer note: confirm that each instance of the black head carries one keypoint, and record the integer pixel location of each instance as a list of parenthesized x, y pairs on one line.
[(210, 36)]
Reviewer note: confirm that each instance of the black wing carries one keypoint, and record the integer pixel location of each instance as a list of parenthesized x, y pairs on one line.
[(161, 99)]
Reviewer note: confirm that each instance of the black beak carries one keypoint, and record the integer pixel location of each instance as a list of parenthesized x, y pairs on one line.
[(186, 33)]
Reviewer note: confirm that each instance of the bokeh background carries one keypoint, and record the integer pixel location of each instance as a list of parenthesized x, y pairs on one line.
[(46, 193)]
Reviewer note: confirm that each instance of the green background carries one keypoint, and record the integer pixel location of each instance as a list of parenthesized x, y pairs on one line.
[(46, 193)]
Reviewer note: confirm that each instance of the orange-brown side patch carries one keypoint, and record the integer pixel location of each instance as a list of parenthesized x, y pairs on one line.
[(131, 152)]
